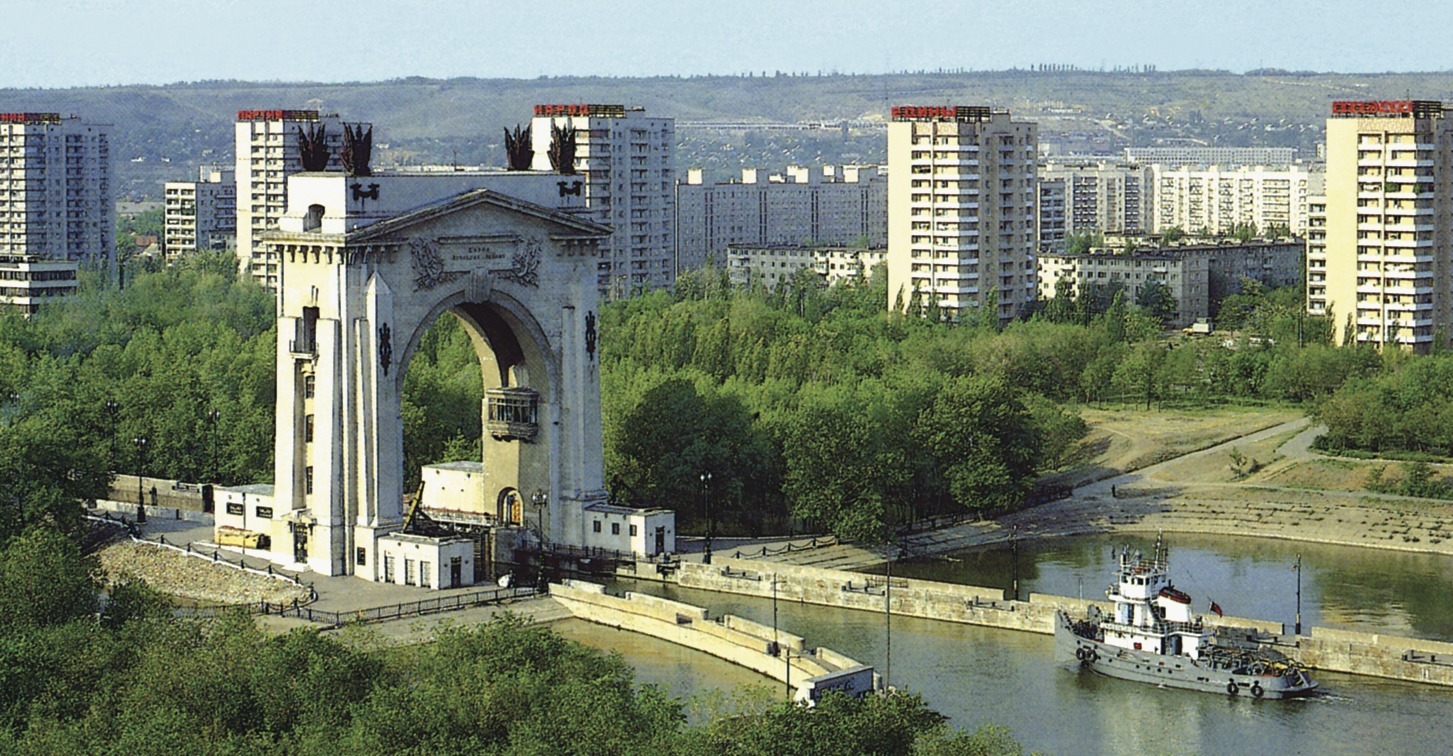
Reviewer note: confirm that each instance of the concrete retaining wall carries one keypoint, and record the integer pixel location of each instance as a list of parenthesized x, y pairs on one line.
[(734, 639)]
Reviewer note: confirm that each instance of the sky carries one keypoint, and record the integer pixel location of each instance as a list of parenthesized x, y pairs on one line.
[(65, 43)]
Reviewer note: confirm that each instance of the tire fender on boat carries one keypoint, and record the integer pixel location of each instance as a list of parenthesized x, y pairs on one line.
[(1080, 654), (1232, 688), (1256, 690)]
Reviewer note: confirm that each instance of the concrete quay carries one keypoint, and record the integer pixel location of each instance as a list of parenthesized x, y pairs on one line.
[(774, 653), (1368, 654)]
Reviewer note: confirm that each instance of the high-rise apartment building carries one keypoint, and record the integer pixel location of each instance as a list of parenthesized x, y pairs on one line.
[(55, 189), (836, 205), (1218, 199), (1077, 197), (1386, 268), (268, 150), (200, 214), (624, 159), (961, 210)]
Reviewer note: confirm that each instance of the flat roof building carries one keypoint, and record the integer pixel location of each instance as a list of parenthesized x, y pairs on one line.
[(26, 281), (835, 205), (200, 214), (624, 160), (1386, 266), (772, 265), (961, 210), (55, 189)]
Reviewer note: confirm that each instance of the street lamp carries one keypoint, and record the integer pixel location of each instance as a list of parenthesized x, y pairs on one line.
[(706, 505), (213, 416), (141, 443), (541, 500)]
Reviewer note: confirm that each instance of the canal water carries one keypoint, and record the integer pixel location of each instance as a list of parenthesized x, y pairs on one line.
[(978, 675)]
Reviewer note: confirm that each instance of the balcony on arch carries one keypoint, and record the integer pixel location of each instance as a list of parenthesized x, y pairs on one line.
[(512, 414)]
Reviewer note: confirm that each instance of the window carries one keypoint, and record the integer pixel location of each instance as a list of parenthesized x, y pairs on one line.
[(361, 558), (633, 531), (308, 479), (426, 574), (307, 429), (615, 528), (595, 526), (310, 386), (408, 571), (388, 568)]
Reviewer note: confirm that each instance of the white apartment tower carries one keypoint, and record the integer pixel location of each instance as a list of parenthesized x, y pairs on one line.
[(200, 214), (55, 190), (1219, 198), (268, 150), (1385, 270), (624, 159), (1079, 197), (961, 210)]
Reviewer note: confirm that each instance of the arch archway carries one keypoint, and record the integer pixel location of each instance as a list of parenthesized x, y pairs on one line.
[(521, 279)]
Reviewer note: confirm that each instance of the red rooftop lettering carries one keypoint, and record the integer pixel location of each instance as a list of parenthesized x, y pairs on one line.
[(277, 115), (611, 111), (900, 112), (30, 117), (1371, 107)]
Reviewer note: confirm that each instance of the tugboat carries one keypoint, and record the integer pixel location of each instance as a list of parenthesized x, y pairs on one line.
[(1152, 637)]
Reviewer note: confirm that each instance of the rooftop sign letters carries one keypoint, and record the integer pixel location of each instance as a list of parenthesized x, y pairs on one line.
[(594, 111), (1415, 108), (30, 117), (277, 115), (940, 113)]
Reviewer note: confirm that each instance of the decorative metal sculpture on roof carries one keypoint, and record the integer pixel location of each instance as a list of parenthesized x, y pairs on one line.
[(518, 148), (357, 148), (562, 149), (313, 147)]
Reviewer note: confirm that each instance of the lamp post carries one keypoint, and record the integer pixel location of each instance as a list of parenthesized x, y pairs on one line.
[(213, 416), (1299, 594), (141, 442), (112, 409), (706, 504), (541, 500)]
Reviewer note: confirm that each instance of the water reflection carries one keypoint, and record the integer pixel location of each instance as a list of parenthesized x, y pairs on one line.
[(976, 675), (1342, 587)]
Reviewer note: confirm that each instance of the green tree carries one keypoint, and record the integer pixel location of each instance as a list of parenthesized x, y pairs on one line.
[(1155, 298)]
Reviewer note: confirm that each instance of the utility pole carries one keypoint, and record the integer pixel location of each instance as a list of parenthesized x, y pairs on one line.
[(888, 622), (141, 442), (213, 416)]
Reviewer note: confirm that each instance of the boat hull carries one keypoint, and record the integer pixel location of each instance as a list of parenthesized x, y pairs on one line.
[(1168, 670)]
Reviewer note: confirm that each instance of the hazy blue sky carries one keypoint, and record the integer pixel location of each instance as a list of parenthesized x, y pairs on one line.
[(85, 42)]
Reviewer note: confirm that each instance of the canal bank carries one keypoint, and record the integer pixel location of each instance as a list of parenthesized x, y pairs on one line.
[(1369, 654)]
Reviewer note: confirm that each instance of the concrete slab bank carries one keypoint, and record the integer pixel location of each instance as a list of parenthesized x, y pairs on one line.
[(737, 640), (1395, 657)]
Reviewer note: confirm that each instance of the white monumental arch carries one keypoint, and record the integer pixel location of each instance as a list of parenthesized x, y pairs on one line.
[(366, 265)]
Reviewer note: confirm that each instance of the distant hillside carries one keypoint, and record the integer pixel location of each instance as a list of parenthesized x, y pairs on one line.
[(172, 128)]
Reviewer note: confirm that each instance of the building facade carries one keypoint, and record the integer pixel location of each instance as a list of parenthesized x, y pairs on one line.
[(1077, 197), (1386, 266), (624, 159), (771, 265), (55, 189), (961, 210), (1218, 198), (268, 150), (1202, 155), (200, 214), (1317, 258), (28, 280), (837, 205)]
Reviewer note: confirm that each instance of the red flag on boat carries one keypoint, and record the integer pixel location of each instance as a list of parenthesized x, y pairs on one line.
[(1215, 607)]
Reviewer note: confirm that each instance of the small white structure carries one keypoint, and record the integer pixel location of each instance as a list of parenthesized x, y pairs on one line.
[(647, 532), (426, 561)]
